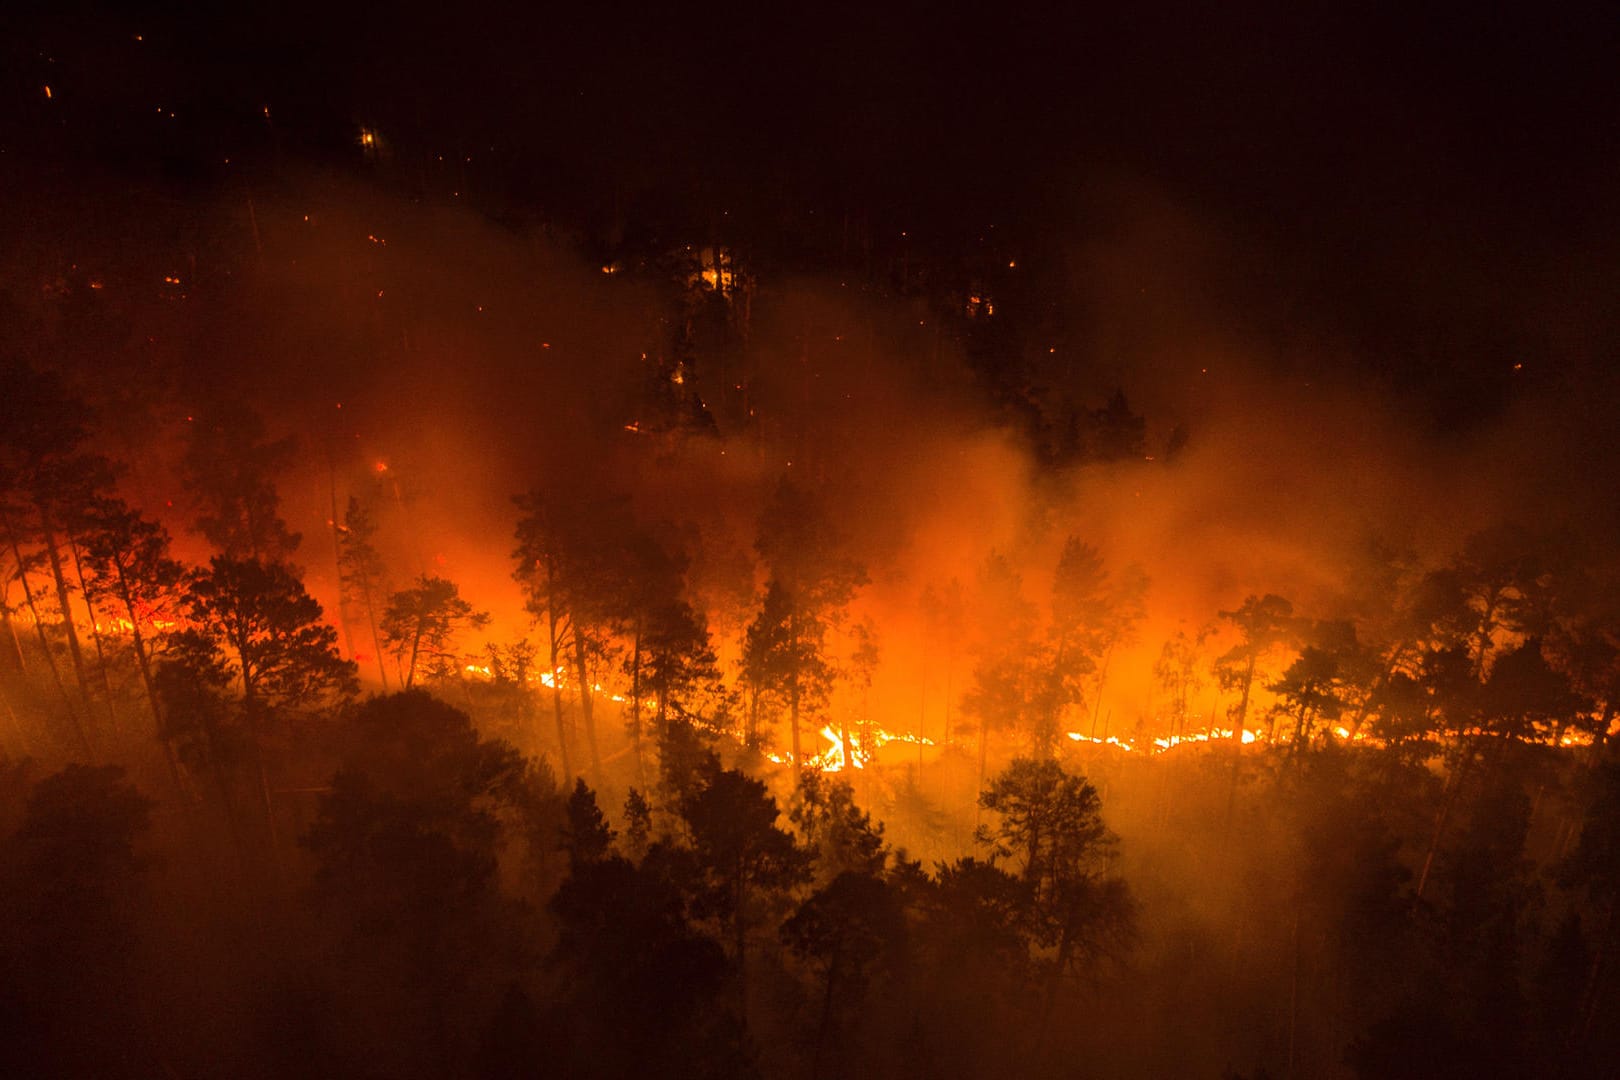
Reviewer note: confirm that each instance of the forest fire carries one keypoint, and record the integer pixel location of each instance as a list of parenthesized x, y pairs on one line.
[(1042, 543)]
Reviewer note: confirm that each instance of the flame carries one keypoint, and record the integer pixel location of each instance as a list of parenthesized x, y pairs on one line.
[(832, 759)]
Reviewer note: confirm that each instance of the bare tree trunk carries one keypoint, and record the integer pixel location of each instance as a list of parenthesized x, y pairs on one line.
[(793, 704), (1102, 680), (255, 726), (416, 643), (1237, 742), (144, 663), (95, 630), (585, 690), (44, 643), (984, 757), (60, 578), (553, 640), (635, 706), (752, 738), (793, 723), (371, 620), (337, 544)]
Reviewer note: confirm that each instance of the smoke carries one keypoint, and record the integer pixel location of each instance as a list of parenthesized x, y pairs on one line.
[(433, 364)]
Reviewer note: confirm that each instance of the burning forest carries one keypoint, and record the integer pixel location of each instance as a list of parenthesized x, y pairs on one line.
[(526, 551)]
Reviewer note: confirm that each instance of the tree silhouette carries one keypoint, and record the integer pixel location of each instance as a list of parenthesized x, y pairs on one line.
[(257, 624), (360, 571), (811, 580), (1009, 662), (229, 469), (746, 862), (406, 848), (420, 626), (129, 562), (1050, 822), (572, 567)]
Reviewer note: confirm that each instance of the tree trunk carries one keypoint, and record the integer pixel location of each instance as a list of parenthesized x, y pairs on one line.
[(553, 640), (251, 709), (585, 693), (1102, 681), (44, 643), (1237, 742), (793, 701), (337, 540), (793, 725), (635, 707), (144, 663), (60, 578), (416, 643), (752, 740), (95, 631), (984, 756), (371, 620)]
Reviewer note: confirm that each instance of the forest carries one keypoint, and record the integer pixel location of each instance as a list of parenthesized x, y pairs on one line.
[(675, 820), (807, 545)]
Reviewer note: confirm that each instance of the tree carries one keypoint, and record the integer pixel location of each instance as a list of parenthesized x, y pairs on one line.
[(842, 836), (1309, 691), (45, 475), (654, 617), (643, 991), (130, 565), (851, 929), (1008, 659), (229, 469), (1264, 624), (360, 570), (1081, 606), (257, 623), (681, 671), (944, 612), (423, 622), (1117, 433), (746, 863), (1175, 676), (586, 836), (571, 567), (811, 581), (1051, 823), (861, 665), (406, 847)]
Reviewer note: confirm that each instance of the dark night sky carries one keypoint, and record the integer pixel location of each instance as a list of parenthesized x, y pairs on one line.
[(1431, 185)]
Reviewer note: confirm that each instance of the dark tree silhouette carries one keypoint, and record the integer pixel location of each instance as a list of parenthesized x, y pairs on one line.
[(421, 624), (256, 624), (229, 469), (811, 581), (747, 863)]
